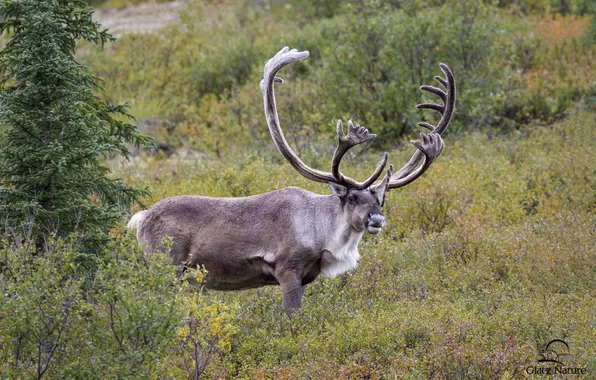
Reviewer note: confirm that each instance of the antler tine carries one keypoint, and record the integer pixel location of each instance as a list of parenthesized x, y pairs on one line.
[(383, 186), (440, 109), (435, 90), (432, 145), (387, 176), (442, 81), (389, 171), (446, 110), (356, 134), (426, 125), (377, 173)]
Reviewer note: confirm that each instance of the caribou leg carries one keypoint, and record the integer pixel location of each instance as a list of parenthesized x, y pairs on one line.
[(292, 291)]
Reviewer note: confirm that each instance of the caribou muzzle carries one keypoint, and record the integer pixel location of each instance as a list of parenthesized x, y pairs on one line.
[(375, 223)]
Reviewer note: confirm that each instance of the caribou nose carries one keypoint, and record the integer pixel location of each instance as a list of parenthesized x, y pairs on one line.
[(376, 220)]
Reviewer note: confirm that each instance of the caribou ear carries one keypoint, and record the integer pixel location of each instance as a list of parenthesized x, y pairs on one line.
[(380, 190), (337, 189), (380, 193)]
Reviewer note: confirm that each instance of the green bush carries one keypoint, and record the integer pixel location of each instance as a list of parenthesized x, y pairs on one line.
[(127, 318), (379, 57), (64, 322)]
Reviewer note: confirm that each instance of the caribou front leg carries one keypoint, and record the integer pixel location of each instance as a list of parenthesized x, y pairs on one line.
[(291, 289)]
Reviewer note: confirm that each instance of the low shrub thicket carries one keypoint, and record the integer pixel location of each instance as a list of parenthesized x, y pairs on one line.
[(129, 317), (485, 259), (198, 81)]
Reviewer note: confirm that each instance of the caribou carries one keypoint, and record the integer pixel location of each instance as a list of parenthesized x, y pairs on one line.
[(289, 236)]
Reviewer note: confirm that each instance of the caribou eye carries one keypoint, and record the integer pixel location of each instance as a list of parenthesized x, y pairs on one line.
[(351, 199)]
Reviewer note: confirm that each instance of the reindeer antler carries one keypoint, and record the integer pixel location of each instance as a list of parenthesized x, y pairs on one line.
[(432, 145), (427, 151), (356, 134)]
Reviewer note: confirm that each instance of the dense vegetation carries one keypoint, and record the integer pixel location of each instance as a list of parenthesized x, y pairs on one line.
[(485, 259), (195, 83)]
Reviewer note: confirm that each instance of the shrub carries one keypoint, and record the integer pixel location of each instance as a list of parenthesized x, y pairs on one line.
[(126, 318)]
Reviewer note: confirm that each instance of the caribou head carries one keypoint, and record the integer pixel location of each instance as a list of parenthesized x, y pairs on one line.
[(289, 236)]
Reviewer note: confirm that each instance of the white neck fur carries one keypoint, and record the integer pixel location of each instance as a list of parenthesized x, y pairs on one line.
[(342, 251)]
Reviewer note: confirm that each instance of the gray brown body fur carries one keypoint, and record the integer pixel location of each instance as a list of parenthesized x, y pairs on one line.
[(254, 241)]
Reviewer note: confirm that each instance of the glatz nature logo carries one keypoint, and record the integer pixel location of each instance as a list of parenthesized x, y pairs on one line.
[(553, 360)]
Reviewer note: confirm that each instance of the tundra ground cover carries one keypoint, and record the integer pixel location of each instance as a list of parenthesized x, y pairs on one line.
[(485, 259)]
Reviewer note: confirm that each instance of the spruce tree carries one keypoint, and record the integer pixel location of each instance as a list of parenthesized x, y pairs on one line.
[(55, 129)]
